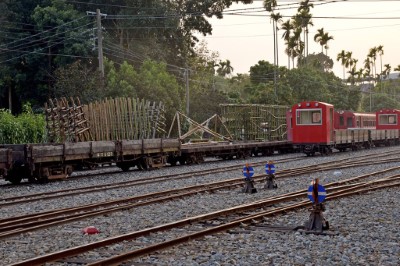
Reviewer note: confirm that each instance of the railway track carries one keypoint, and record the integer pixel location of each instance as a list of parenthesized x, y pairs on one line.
[(26, 223), (334, 164), (137, 182), (185, 230)]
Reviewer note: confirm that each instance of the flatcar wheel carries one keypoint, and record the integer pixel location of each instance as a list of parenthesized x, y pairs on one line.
[(33, 179), (142, 164), (172, 161), (124, 166), (44, 180), (15, 179)]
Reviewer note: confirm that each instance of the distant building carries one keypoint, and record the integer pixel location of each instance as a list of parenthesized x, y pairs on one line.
[(366, 87), (395, 75)]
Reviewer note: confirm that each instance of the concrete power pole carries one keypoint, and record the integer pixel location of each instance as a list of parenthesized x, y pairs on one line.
[(100, 42), (187, 91)]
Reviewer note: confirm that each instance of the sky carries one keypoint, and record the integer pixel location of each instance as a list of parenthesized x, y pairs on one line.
[(245, 39)]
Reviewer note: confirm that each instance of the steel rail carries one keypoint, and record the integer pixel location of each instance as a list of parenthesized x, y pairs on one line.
[(368, 186), (21, 224)]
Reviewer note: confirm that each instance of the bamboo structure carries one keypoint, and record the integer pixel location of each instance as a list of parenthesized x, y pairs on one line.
[(126, 118), (110, 119), (255, 121), (66, 121)]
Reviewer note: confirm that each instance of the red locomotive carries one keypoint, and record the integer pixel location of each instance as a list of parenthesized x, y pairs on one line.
[(314, 130), (312, 126)]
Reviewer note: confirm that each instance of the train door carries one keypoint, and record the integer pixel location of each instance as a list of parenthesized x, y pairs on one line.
[(289, 125), (331, 121)]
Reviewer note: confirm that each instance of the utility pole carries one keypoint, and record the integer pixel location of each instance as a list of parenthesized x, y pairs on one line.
[(187, 91), (100, 42)]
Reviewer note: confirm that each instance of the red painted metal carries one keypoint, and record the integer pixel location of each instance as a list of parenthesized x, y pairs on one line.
[(350, 119), (388, 119), (312, 123)]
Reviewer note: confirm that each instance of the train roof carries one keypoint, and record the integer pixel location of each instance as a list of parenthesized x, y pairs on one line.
[(386, 111), (354, 113), (312, 103)]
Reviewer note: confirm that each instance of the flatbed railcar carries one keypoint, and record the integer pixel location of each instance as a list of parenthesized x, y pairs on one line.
[(42, 162), (195, 153)]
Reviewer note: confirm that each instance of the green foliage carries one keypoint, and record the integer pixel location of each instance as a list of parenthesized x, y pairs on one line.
[(45, 35), (156, 84), (319, 61), (262, 72), (121, 81), (78, 80), (26, 128), (384, 95), (376, 101)]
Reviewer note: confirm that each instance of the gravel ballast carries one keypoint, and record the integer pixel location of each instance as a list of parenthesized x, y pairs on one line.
[(366, 225)]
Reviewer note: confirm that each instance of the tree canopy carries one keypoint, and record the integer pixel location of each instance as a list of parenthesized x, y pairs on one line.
[(50, 48)]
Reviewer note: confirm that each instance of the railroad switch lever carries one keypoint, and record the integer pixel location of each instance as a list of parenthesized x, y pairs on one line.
[(270, 182), (317, 222), (248, 172), (249, 186), (317, 194), (270, 171)]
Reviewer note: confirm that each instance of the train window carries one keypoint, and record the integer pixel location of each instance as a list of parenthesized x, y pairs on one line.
[(341, 120), (349, 122), (388, 119), (309, 117)]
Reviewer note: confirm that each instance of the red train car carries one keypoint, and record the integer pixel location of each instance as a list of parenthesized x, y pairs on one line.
[(350, 119), (388, 119), (313, 127)]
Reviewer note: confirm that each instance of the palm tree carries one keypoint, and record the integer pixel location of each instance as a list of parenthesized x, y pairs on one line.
[(359, 74), (323, 38), (397, 69), (304, 12), (305, 21), (354, 64), (342, 57), (349, 60), (224, 68), (352, 74), (379, 50), (386, 71), (318, 38), (287, 27), (367, 74), (291, 49), (270, 5), (275, 19), (372, 56), (367, 68)]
